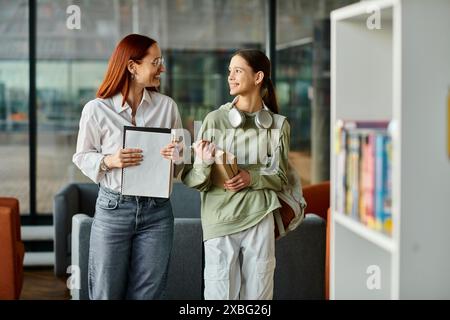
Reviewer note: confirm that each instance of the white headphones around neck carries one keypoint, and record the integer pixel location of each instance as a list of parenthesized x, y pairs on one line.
[(263, 118)]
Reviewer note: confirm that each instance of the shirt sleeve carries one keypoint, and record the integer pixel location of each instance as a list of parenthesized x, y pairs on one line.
[(177, 123), (88, 153), (276, 176)]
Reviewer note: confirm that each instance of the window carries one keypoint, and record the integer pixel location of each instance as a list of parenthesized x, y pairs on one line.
[(14, 86), (197, 38), (71, 65), (303, 81)]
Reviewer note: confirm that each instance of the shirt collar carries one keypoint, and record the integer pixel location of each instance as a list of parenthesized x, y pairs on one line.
[(117, 101)]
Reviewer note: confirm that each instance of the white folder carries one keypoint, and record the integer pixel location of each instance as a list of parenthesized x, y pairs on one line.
[(153, 177)]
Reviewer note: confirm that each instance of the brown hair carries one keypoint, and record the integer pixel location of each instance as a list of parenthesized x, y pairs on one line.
[(258, 61), (118, 77)]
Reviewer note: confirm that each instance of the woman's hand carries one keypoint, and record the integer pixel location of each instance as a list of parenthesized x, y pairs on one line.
[(204, 150), (240, 181), (124, 158), (172, 151)]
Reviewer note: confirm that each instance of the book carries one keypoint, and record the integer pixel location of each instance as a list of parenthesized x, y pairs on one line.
[(367, 183), (153, 177), (224, 168), (353, 172), (383, 156), (341, 182)]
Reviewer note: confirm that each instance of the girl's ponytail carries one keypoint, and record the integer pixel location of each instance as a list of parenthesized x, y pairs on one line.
[(269, 96)]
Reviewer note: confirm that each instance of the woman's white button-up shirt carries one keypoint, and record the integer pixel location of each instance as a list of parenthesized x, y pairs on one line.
[(101, 131)]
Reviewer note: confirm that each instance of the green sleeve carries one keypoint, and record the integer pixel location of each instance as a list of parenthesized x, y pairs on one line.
[(197, 176), (278, 178)]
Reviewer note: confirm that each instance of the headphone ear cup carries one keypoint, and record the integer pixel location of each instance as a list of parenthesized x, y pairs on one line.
[(264, 119), (236, 118)]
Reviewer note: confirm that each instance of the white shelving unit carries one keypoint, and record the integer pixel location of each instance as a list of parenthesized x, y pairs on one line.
[(400, 72)]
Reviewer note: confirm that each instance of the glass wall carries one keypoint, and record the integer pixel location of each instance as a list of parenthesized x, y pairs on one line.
[(303, 81), (197, 38), (14, 87)]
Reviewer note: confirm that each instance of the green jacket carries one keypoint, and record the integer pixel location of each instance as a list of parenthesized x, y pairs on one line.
[(225, 212)]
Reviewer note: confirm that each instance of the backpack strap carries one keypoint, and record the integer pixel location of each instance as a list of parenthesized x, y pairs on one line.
[(278, 120), (277, 124)]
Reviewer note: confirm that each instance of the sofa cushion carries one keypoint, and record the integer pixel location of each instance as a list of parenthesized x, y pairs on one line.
[(185, 201), (184, 280)]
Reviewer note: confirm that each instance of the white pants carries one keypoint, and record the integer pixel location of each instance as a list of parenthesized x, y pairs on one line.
[(241, 265)]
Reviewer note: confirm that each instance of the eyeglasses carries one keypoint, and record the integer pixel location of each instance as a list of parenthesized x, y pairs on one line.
[(158, 62)]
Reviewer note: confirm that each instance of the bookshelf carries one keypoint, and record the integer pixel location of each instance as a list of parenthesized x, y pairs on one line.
[(399, 73)]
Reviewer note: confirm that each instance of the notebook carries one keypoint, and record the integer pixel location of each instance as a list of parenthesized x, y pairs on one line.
[(224, 168), (153, 177)]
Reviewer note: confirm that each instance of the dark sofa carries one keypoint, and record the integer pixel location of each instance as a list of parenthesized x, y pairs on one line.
[(300, 255)]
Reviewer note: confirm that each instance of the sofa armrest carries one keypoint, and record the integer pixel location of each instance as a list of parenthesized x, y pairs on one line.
[(81, 232), (300, 255), (87, 193), (13, 204), (65, 205)]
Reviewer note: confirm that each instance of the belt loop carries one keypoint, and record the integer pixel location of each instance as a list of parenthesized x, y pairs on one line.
[(152, 202)]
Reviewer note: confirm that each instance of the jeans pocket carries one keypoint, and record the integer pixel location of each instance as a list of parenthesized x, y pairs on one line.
[(107, 203)]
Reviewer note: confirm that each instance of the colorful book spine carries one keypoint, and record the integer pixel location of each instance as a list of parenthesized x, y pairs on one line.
[(383, 216), (367, 180), (387, 201), (341, 154), (363, 172), (370, 183), (353, 175)]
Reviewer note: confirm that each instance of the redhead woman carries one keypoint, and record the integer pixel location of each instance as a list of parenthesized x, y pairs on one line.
[(131, 237)]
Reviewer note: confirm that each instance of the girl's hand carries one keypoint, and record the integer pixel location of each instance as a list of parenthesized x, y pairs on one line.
[(204, 150), (240, 181), (124, 158)]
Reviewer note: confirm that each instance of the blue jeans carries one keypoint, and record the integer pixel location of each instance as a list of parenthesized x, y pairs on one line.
[(130, 245)]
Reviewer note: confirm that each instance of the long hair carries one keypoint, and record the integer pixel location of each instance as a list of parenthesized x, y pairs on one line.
[(258, 61), (118, 77)]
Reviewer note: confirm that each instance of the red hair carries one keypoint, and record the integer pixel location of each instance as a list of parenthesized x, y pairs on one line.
[(118, 77)]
